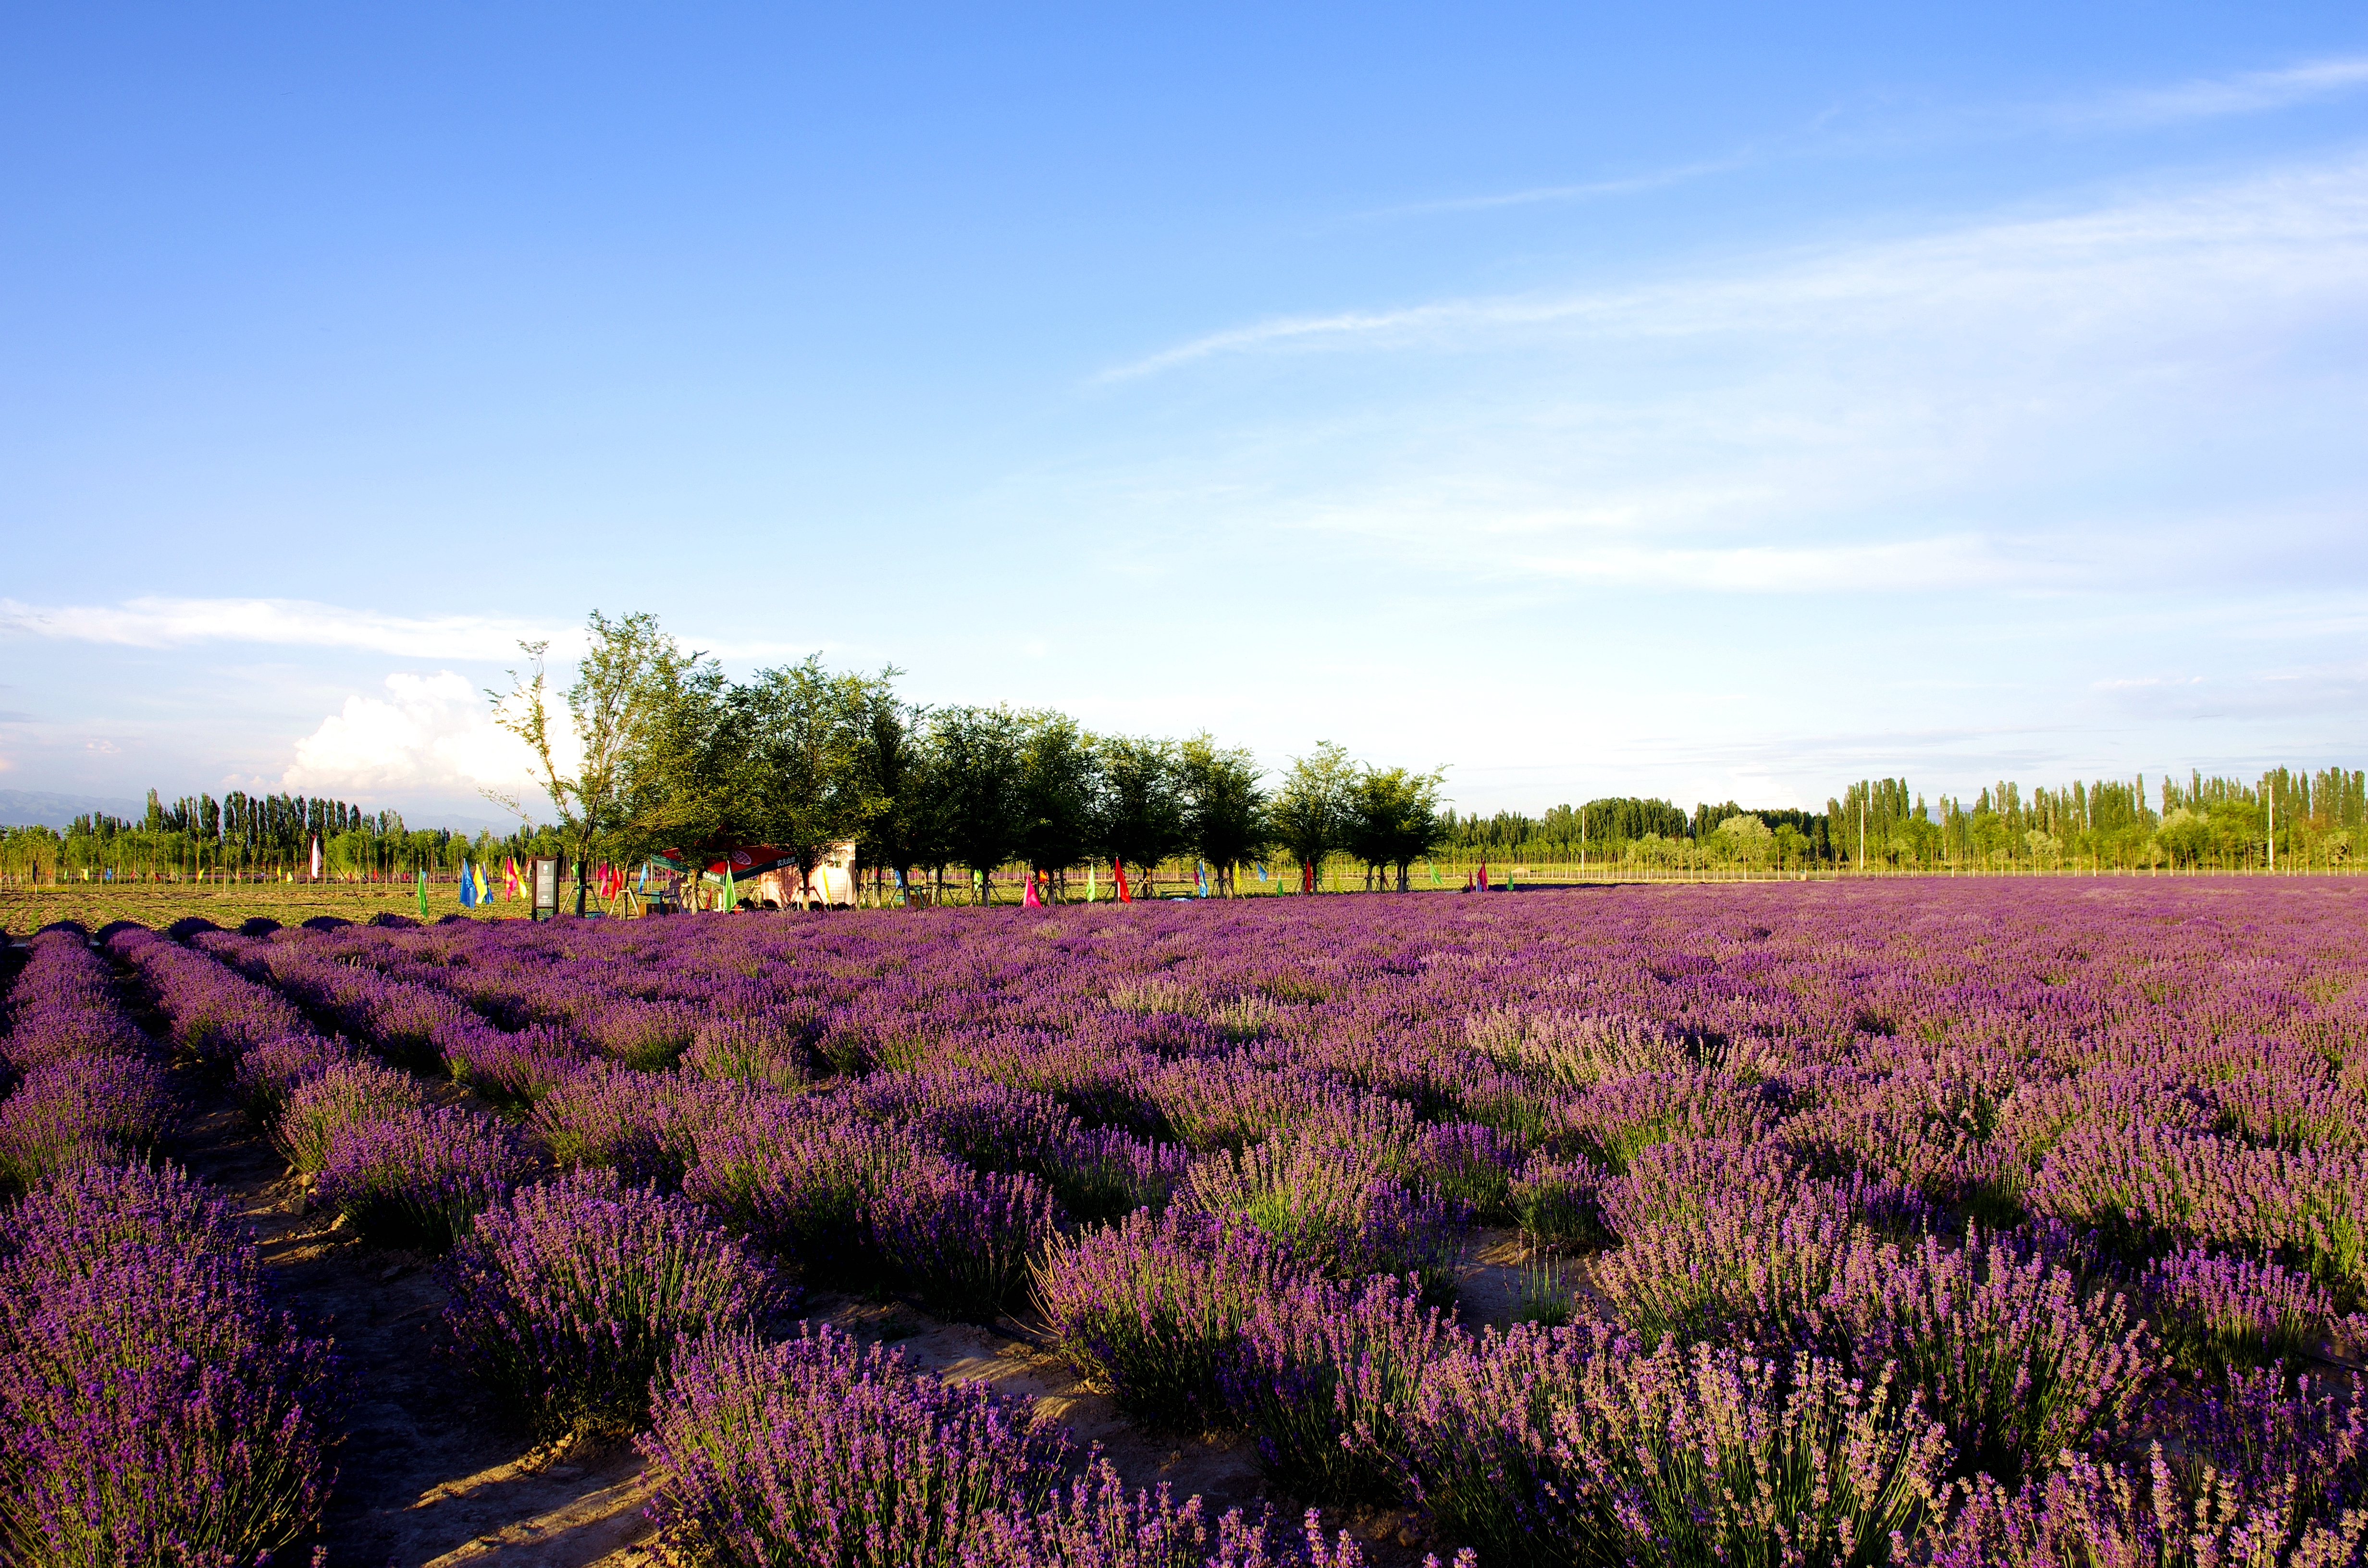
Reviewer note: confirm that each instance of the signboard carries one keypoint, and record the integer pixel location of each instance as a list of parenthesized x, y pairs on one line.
[(542, 886)]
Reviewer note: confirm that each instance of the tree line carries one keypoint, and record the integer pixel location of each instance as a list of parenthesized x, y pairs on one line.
[(675, 757), (252, 837), (671, 754)]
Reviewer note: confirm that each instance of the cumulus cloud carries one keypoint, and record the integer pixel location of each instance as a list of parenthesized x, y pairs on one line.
[(156, 622), (430, 735)]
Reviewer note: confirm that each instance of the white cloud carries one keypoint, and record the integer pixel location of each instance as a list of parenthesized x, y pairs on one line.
[(431, 735), (156, 622), (2304, 229), (2252, 92), (2148, 394)]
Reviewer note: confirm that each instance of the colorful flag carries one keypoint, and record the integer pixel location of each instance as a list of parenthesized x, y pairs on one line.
[(509, 877), (1200, 875), (485, 893)]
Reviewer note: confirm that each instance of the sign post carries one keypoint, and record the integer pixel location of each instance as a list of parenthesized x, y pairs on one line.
[(542, 886)]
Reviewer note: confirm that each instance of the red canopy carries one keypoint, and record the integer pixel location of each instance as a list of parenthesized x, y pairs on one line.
[(750, 860)]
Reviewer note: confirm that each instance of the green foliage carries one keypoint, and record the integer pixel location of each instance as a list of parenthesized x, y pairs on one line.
[(1225, 809), (1140, 819), (1311, 813)]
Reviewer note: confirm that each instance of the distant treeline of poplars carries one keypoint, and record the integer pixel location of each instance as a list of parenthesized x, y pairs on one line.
[(677, 757)]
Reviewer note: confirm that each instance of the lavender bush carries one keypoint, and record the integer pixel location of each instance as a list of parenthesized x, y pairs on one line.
[(570, 1296), (414, 1179), (80, 1110), (335, 1097), (804, 1176), (154, 1406), (963, 1242), (1098, 1523), (818, 1452), (1151, 1309), (1321, 1378), (2212, 1309), (1572, 1446), (1333, 1211)]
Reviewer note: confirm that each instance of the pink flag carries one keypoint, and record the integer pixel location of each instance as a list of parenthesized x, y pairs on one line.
[(1030, 900)]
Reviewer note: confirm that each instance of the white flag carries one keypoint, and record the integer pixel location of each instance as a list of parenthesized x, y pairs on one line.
[(316, 856)]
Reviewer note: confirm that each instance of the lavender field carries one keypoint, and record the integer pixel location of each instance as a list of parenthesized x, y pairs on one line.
[(1927, 1221)]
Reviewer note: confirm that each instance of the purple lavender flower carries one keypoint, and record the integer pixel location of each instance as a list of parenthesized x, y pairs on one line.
[(758, 1050), (1333, 1212), (217, 1016), (1152, 1308), (802, 1173), (644, 1125), (338, 1096), (568, 1298), (268, 1073), (79, 1110), (1098, 1524), (515, 1071), (963, 1240), (1321, 1378), (1575, 1445), (415, 1178), (817, 1451), (2214, 1308), (154, 1408)]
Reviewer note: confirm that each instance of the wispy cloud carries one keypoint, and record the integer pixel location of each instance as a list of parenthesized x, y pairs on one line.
[(2296, 228), (153, 622), (2214, 97), (1843, 131), (1584, 190)]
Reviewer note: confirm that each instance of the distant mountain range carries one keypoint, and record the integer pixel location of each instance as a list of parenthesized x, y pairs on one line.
[(23, 808)]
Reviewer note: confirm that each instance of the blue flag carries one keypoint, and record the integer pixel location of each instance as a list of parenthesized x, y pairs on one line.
[(467, 888)]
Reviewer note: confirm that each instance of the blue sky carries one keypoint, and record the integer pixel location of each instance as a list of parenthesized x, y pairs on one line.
[(1705, 401)]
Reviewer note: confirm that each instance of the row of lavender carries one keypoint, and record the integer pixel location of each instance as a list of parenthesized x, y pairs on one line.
[(585, 1299), (155, 1405), (2031, 1173)]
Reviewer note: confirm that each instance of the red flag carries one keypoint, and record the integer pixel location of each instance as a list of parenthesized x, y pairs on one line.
[(1118, 869)]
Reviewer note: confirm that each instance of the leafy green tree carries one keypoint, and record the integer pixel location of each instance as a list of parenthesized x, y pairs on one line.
[(1059, 778), (1309, 813), (797, 779), (610, 709), (1225, 809), (977, 787), (1139, 815), (1393, 819), (891, 762)]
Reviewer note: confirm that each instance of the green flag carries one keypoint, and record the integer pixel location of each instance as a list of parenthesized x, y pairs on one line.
[(1434, 871), (731, 892), (423, 892)]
